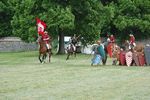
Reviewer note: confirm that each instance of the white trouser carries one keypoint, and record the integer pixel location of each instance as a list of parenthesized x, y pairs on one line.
[(74, 47), (48, 46), (134, 44)]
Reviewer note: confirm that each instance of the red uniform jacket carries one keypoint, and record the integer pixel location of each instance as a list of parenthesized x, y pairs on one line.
[(46, 38), (132, 39), (112, 39), (41, 33)]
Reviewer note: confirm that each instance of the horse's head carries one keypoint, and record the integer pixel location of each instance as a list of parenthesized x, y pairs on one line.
[(41, 42), (139, 47), (115, 50), (126, 45)]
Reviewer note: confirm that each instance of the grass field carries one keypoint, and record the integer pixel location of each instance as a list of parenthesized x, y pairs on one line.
[(22, 77)]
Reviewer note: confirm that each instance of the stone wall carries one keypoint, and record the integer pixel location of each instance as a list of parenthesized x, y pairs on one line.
[(14, 44)]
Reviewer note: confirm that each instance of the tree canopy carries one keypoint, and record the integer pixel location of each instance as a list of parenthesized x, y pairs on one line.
[(86, 17)]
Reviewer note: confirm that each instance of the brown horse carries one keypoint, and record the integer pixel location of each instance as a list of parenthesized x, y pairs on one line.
[(115, 53), (127, 47), (139, 47), (43, 51)]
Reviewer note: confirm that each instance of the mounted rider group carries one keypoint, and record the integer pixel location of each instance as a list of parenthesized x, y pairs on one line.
[(127, 54)]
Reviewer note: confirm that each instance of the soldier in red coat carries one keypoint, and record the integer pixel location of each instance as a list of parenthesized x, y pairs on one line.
[(111, 41), (132, 40), (46, 39), (112, 38)]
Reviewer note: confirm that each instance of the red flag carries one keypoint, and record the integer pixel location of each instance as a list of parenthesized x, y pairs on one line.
[(41, 26)]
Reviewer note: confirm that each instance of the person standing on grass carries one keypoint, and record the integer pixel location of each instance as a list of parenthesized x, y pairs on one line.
[(96, 57)]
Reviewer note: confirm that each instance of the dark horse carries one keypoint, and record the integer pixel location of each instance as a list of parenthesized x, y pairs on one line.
[(43, 51), (70, 51)]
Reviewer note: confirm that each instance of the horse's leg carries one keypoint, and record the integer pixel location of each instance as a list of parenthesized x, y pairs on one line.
[(68, 56), (114, 62), (40, 58), (43, 58), (75, 53), (49, 55), (45, 55)]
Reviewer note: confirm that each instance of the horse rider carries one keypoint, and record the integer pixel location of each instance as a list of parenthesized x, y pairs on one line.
[(46, 39), (112, 38), (73, 41), (132, 41), (111, 41)]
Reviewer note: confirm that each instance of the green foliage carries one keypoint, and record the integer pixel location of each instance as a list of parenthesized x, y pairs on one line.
[(133, 17), (60, 17), (5, 19), (108, 17), (23, 22), (54, 15), (88, 18)]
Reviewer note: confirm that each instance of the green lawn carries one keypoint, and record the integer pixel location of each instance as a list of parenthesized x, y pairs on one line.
[(22, 77)]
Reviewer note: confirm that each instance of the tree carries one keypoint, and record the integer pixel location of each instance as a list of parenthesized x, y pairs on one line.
[(63, 20), (57, 17), (88, 18), (60, 16), (132, 16), (23, 20), (6, 14)]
